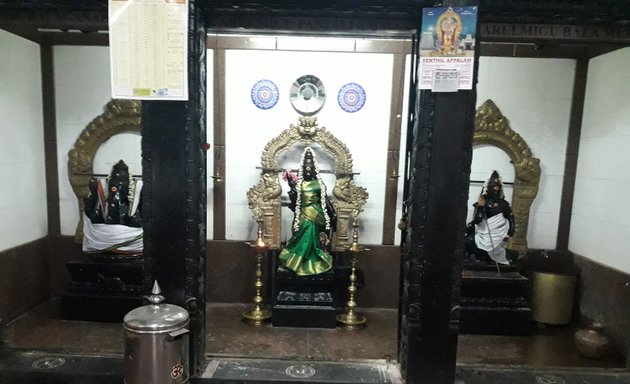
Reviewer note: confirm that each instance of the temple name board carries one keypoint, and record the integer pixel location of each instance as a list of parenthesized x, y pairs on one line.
[(488, 31), (507, 32)]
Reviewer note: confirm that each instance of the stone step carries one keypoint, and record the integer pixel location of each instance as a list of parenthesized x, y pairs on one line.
[(293, 371)]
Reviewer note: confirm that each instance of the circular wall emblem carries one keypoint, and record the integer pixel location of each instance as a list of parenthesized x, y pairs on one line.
[(300, 371), (351, 97), (265, 94)]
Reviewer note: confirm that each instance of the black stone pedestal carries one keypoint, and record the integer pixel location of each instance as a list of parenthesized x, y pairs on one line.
[(493, 302), (104, 289), (304, 301)]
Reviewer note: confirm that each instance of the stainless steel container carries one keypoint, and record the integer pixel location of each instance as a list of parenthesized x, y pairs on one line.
[(156, 343)]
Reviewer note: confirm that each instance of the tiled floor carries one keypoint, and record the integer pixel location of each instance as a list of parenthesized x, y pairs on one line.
[(228, 336)]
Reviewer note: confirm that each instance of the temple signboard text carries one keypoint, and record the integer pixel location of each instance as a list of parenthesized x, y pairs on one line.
[(502, 32)]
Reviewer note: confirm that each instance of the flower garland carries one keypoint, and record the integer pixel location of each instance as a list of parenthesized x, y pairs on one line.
[(300, 180)]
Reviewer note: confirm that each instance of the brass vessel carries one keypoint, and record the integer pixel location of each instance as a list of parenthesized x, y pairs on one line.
[(591, 342)]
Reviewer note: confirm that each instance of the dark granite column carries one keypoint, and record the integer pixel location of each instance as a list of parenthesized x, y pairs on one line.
[(47, 63), (174, 193), (571, 157), (440, 153)]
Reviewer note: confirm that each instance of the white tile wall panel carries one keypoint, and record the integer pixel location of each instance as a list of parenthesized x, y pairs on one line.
[(599, 222), (23, 207)]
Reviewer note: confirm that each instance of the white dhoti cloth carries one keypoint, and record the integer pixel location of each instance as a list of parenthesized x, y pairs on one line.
[(489, 235), (111, 238)]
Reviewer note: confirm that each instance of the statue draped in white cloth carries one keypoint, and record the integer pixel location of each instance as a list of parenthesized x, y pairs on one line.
[(493, 223), (112, 222)]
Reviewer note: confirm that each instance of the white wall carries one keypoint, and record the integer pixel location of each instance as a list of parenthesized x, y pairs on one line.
[(600, 228), (210, 140), (535, 96), (83, 88), (248, 128), (23, 209)]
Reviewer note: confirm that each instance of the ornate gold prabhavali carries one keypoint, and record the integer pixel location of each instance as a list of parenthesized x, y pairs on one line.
[(492, 128), (119, 116), (264, 197)]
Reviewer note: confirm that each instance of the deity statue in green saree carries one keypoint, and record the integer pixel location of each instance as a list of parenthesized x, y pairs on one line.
[(306, 251)]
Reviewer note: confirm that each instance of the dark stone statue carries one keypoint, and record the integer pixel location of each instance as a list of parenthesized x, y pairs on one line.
[(492, 225), (114, 206), (113, 222), (110, 283)]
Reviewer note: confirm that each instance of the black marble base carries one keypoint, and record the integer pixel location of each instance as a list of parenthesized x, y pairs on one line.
[(304, 298), (493, 301), (105, 308), (115, 276), (304, 301), (104, 289), (496, 320), (287, 280), (304, 316)]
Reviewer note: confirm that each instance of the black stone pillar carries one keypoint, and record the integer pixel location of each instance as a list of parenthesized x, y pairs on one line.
[(174, 192), (440, 153)]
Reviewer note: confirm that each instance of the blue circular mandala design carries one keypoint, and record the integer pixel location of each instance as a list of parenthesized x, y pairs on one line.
[(351, 97), (265, 94)]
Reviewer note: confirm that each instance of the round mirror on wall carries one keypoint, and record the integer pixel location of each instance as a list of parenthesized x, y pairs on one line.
[(307, 95)]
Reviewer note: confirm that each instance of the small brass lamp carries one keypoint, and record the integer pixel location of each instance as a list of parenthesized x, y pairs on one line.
[(258, 314), (350, 319)]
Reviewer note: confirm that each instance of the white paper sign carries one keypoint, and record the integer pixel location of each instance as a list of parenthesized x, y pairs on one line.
[(445, 80), (148, 49)]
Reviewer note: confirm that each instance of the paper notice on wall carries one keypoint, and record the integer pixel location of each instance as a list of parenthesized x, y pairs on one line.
[(447, 42), (148, 49), (445, 80)]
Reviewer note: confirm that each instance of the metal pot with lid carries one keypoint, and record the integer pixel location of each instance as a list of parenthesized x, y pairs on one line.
[(156, 342)]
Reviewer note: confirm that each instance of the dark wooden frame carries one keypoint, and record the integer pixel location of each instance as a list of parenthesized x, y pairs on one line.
[(432, 250)]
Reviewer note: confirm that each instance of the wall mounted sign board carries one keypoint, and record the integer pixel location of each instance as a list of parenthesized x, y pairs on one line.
[(447, 41), (148, 49)]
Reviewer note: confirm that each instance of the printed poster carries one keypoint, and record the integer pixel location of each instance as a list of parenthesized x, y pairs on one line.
[(447, 43), (148, 49)]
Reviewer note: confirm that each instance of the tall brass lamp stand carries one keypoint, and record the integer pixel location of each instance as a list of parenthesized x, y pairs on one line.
[(350, 319), (258, 314)]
